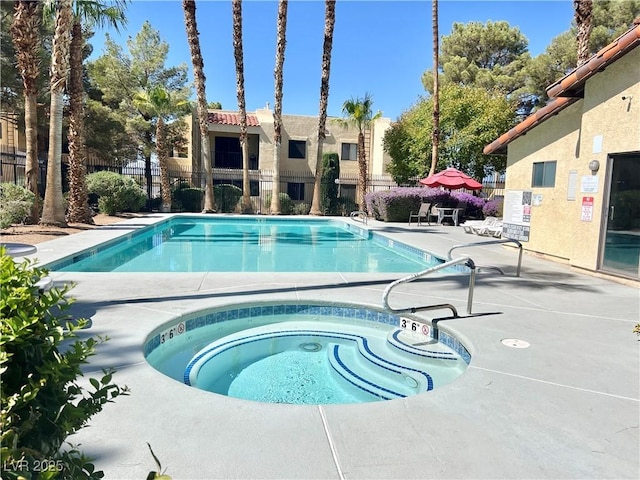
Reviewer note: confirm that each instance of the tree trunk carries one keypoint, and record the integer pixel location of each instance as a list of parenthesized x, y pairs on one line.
[(32, 167), (362, 171), (582, 10), (53, 209), (25, 32), (238, 55), (78, 210), (199, 79), (435, 136), (281, 43), (161, 151), (329, 22)]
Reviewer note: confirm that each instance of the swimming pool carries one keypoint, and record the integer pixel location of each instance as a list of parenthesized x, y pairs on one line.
[(305, 354), (249, 244)]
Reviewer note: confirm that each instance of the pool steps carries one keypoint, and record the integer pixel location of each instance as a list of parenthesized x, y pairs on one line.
[(386, 369)]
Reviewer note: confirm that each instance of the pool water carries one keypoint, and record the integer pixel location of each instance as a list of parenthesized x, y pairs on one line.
[(306, 357), (289, 377), (191, 244)]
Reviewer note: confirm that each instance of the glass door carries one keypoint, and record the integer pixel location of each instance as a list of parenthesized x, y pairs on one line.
[(621, 253)]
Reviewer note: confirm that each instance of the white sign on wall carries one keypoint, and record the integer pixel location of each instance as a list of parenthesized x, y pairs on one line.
[(517, 215), (589, 184)]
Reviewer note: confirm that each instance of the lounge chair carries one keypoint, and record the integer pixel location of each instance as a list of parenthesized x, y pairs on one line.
[(472, 225), (423, 213), (493, 230)]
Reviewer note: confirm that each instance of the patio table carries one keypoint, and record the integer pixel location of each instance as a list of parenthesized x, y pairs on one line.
[(447, 212)]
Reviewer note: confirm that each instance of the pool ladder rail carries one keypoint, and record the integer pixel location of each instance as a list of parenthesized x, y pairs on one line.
[(359, 215), (467, 261)]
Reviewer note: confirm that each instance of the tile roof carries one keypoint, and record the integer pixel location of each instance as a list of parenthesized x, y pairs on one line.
[(570, 88), (226, 118)]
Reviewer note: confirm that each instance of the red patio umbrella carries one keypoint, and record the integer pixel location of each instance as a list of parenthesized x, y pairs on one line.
[(451, 178)]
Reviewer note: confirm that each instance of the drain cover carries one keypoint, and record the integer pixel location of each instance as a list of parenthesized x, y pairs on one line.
[(515, 343), (311, 347)]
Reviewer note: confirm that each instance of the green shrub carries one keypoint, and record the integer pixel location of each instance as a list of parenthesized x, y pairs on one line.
[(116, 193), (301, 209), (226, 197), (328, 185), (187, 199), (286, 204), (15, 204), (40, 360)]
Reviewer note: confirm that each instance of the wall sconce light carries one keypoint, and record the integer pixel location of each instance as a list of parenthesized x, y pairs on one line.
[(594, 166)]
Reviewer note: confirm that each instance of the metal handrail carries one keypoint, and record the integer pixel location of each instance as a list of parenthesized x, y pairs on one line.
[(490, 242), (409, 278), (359, 213)]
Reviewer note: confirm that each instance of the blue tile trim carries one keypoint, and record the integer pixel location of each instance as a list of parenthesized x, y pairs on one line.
[(168, 223)]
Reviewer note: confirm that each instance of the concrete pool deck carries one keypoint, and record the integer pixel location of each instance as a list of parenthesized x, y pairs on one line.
[(566, 407)]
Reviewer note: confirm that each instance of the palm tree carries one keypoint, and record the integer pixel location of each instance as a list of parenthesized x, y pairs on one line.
[(92, 12), (435, 135), (237, 53), (329, 22), (157, 103), (25, 32), (582, 12), (193, 37), (359, 114), (281, 43), (53, 208)]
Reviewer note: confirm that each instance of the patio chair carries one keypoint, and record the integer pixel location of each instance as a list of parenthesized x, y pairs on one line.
[(472, 225), (423, 213)]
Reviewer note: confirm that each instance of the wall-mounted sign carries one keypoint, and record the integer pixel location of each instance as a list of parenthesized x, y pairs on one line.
[(517, 215), (537, 200), (587, 209), (589, 184)]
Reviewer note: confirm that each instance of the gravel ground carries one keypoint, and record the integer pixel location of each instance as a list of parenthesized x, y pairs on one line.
[(34, 234)]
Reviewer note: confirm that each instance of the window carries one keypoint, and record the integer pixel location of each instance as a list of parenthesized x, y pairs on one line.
[(227, 153), (544, 174), (297, 149), (295, 191), (349, 151)]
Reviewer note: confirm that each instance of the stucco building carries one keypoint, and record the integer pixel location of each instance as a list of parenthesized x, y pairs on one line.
[(297, 154), (572, 187)]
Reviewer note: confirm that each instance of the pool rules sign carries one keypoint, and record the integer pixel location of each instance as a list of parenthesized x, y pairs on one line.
[(587, 209)]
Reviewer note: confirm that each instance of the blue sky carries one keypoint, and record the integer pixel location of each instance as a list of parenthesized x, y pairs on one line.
[(380, 47)]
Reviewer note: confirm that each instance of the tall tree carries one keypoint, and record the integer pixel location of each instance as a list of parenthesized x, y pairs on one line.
[(25, 32), (435, 136), (199, 79), (116, 76), (471, 117), (87, 13), (329, 23), (53, 211), (609, 19), (281, 43), (491, 55), (244, 145), (160, 105), (358, 113), (582, 12)]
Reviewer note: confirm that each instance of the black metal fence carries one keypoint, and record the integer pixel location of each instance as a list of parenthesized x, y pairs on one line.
[(298, 185)]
